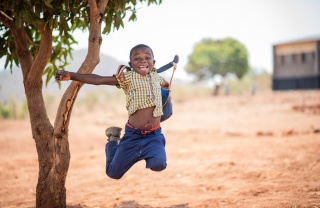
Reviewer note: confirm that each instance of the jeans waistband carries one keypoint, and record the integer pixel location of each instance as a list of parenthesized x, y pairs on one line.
[(143, 131)]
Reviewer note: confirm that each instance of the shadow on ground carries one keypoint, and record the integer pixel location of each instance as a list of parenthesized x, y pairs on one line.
[(131, 204)]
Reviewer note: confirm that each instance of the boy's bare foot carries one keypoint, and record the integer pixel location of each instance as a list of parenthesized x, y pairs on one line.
[(113, 133)]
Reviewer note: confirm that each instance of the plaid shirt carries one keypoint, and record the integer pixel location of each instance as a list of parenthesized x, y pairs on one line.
[(143, 91)]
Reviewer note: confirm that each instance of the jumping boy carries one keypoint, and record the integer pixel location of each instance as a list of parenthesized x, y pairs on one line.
[(143, 139)]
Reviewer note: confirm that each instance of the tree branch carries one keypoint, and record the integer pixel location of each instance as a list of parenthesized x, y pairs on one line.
[(5, 19), (95, 39), (90, 62), (5, 16), (43, 55), (102, 5), (22, 49), (93, 7)]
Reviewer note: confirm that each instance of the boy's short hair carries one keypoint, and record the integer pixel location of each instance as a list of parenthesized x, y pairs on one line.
[(140, 46)]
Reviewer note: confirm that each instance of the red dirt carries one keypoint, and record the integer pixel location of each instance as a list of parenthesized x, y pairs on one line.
[(227, 151)]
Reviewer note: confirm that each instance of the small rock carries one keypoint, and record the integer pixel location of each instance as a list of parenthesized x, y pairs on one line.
[(264, 133)]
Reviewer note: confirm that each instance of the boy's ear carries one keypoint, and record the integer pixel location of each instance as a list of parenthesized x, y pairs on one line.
[(130, 64), (154, 62)]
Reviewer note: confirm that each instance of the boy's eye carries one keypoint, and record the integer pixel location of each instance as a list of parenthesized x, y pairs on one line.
[(141, 59)]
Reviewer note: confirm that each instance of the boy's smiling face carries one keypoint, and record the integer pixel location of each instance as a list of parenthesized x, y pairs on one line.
[(141, 60)]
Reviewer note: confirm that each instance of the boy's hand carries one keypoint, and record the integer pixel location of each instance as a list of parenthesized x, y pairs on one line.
[(176, 59), (62, 76), (165, 84)]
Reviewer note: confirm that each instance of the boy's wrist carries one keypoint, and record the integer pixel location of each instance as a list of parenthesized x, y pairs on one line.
[(71, 75)]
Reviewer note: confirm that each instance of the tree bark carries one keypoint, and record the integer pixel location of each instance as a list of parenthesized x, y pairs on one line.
[(42, 129), (52, 142)]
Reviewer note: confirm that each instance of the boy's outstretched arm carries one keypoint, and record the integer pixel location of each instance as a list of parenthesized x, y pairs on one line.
[(86, 78)]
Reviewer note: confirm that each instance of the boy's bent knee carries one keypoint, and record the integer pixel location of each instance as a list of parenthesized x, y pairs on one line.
[(113, 174), (157, 164)]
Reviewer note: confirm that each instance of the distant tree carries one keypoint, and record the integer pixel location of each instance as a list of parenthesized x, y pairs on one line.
[(218, 57), (37, 36)]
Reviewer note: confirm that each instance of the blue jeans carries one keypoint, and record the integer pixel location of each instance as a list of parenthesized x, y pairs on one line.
[(133, 147)]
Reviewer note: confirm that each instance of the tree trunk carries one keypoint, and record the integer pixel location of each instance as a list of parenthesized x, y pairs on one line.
[(53, 156), (42, 130), (52, 142)]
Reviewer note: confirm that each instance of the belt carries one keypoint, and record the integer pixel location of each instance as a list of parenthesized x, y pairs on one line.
[(143, 131)]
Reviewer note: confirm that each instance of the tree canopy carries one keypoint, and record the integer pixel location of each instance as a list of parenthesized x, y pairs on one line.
[(63, 17), (210, 57)]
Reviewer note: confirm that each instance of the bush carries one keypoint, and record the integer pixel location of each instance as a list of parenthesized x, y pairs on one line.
[(13, 109), (4, 111)]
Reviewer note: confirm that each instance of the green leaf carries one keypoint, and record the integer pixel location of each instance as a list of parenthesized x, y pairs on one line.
[(63, 17), (49, 76), (133, 17)]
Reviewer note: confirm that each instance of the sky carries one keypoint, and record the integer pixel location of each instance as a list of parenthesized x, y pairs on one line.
[(175, 26)]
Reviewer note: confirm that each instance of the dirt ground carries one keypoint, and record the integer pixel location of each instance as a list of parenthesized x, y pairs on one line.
[(226, 151)]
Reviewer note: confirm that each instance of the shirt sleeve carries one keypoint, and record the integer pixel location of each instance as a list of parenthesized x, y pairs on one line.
[(161, 80), (124, 80)]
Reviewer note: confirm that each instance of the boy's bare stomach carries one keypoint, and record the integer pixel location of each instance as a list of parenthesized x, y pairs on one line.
[(143, 119)]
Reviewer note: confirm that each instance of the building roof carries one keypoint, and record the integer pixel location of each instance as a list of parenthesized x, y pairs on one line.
[(305, 39)]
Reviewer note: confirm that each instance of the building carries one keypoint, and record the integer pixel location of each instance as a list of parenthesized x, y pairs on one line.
[(296, 65)]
